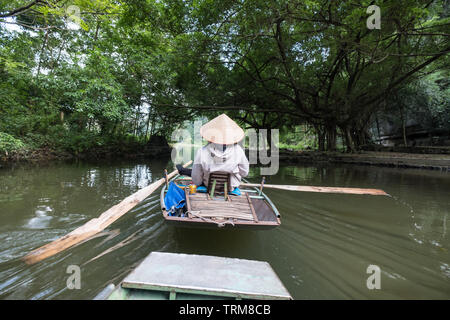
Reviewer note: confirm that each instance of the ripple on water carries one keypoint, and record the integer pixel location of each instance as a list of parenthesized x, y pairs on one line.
[(15, 244), (445, 268), (42, 218)]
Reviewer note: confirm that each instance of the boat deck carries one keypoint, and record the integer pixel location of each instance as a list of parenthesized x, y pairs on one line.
[(236, 207), (174, 276), (251, 210)]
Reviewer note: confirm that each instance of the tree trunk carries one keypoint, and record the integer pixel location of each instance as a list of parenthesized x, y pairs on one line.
[(349, 142), (44, 43), (152, 131), (378, 129), (148, 125), (321, 138), (97, 28), (360, 137), (403, 118), (136, 122), (331, 137), (269, 138)]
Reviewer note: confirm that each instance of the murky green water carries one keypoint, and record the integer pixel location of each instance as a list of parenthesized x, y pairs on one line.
[(321, 250)]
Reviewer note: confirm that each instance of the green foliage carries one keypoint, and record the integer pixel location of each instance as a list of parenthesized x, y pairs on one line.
[(8, 143), (298, 138), (140, 68), (426, 101)]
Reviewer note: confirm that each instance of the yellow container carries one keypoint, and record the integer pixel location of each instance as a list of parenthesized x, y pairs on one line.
[(192, 188)]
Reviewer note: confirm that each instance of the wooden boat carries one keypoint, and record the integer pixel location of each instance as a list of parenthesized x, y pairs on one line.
[(251, 210), (172, 276)]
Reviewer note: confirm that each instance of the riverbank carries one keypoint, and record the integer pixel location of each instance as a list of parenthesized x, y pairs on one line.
[(376, 158), (82, 146), (105, 152)]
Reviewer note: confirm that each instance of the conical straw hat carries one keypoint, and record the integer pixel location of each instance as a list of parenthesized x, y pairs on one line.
[(222, 130)]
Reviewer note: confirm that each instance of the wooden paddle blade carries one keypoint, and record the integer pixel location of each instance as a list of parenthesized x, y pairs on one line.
[(374, 192), (96, 225)]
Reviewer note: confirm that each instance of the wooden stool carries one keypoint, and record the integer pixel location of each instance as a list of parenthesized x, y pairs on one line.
[(219, 183)]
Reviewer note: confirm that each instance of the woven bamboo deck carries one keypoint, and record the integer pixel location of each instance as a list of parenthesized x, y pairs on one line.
[(236, 207)]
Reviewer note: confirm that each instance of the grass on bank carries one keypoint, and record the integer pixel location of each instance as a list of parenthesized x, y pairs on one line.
[(61, 141)]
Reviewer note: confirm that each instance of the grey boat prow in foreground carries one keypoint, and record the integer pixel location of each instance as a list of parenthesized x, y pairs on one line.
[(176, 276), (251, 210)]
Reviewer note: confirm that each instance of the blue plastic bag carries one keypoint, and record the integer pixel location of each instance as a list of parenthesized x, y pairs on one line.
[(175, 198)]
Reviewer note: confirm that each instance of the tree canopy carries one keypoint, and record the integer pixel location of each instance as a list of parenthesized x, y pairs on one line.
[(86, 71)]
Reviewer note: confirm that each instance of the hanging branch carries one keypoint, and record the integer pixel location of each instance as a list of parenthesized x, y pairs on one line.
[(21, 9)]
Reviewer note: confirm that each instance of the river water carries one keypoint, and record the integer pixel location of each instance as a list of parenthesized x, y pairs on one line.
[(321, 250)]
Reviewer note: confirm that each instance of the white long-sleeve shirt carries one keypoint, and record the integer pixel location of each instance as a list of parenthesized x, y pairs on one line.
[(212, 158)]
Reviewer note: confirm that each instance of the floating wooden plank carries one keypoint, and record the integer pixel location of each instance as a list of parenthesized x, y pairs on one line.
[(374, 192), (97, 224)]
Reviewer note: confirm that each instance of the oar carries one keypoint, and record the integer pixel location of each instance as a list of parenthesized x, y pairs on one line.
[(374, 192), (96, 225)]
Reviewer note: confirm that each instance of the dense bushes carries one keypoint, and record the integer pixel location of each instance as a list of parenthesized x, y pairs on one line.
[(126, 76), (60, 142), (8, 143)]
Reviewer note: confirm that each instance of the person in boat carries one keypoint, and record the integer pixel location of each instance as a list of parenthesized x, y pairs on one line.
[(222, 153)]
